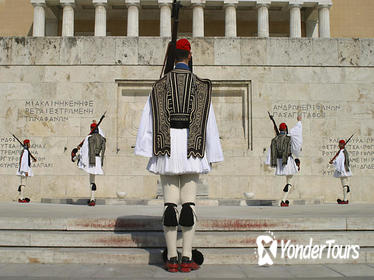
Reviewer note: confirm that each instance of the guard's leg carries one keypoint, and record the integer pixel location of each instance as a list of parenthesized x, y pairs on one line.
[(170, 186), (21, 187), (287, 190), (187, 219), (346, 190), (92, 201)]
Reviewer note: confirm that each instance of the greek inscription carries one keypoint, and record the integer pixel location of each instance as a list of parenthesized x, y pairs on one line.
[(56, 110), (10, 152), (307, 110), (360, 149)]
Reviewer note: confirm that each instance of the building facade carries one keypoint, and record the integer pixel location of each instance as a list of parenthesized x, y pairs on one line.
[(209, 18), (88, 57)]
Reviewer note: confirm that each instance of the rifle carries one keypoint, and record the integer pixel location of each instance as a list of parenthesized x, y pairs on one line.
[(169, 59), (275, 125), (190, 64), (24, 146), (92, 130), (75, 150), (346, 142)]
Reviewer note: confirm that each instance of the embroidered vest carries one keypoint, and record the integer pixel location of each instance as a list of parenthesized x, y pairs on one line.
[(180, 100), (280, 149), (346, 160)]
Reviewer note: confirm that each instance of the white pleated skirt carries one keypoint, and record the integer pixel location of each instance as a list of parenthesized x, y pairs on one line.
[(22, 173), (338, 174), (96, 169), (178, 163), (289, 169)]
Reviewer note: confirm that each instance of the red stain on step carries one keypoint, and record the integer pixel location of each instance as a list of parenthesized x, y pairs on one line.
[(116, 241), (238, 224), (114, 224), (33, 260)]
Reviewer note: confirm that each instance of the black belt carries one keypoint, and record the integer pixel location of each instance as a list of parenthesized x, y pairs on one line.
[(180, 121), (179, 124)]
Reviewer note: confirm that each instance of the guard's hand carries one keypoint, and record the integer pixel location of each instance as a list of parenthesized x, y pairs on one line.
[(34, 159), (299, 118), (27, 174), (78, 147), (331, 162)]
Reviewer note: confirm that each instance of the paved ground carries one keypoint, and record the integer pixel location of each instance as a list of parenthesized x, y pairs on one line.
[(75, 271), (12, 209), (110, 271)]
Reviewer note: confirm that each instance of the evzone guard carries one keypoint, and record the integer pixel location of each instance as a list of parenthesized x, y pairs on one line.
[(284, 147), (178, 132), (342, 169), (24, 169), (91, 156)]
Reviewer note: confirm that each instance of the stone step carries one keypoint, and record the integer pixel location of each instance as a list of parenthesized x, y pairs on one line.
[(153, 256), (153, 223), (151, 239), (199, 202)]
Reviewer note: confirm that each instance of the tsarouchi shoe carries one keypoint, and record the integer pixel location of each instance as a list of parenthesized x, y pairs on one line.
[(24, 200), (284, 203), (187, 265), (91, 202), (342, 201), (172, 264)]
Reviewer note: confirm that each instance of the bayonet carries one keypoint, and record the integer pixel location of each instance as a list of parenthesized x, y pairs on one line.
[(275, 125), (169, 59)]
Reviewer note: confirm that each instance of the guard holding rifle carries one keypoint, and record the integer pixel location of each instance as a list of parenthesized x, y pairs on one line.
[(342, 169), (284, 147), (91, 156), (178, 132), (24, 168)]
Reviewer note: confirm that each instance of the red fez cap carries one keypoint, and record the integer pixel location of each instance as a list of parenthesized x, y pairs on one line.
[(93, 125), (183, 44), (26, 141), (283, 126), (342, 142)]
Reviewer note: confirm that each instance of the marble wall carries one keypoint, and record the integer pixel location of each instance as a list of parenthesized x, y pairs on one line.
[(52, 88)]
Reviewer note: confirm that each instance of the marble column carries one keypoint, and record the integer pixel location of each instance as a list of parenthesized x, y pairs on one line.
[(295, 21), (67, 17), (312, 28), (324, 20), (165, 18), (38, 28), (133, 18), (263, 20), (197, 18), (230, 18), (100, 17)]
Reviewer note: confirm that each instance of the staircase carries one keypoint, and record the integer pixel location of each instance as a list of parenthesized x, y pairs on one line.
[(43, 233)]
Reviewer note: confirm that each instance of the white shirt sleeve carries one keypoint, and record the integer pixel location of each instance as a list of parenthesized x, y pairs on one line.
[(296, 134), (24, 165), (268, 157), (144, 138), (83, 152), (339, 162), (101, 132), (213, 144)]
